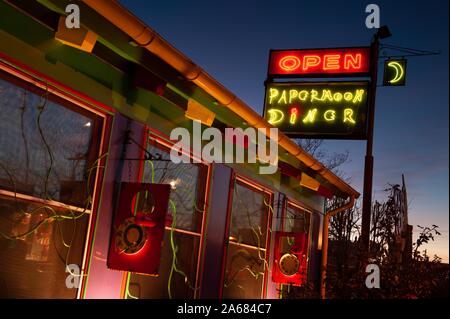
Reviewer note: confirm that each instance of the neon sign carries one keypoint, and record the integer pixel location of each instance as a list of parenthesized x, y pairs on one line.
[(319, 62), (318, 109), (394, 72)]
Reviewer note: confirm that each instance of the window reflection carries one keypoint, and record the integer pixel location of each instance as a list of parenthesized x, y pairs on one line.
[(188, 182), (246, 260), (296, 219), (34, 266), (46, 149)]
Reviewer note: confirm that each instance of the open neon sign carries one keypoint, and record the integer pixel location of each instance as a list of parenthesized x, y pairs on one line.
[(319, 62), (318, 110)]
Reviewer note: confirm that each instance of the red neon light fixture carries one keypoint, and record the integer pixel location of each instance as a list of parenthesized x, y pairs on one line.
[(290, 258), (138, 228), (320, 62)]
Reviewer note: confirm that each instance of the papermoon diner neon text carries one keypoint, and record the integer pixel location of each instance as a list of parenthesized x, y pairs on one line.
[(318, 110)]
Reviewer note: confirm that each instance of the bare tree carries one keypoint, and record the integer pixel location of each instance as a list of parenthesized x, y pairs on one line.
[(332, 161)]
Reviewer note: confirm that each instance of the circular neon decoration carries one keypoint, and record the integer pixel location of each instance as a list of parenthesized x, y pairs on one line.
[(130, 237), (289, 264), (289, 63)]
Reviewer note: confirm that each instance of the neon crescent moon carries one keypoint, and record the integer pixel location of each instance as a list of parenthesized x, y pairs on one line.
[(275, 116), (398, 71)]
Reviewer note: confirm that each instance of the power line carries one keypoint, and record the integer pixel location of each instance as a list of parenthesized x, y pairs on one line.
[(410, 52), (399, 48), (407, 55)]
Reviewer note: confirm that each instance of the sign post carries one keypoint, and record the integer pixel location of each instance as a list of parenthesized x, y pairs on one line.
[(368, 162)]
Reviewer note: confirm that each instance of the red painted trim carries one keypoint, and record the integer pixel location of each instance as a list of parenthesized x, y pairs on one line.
[(254, 183), (201, 253), (123, 286), (56, 85), (227, 232), (268, 241), (154, 133), (283, 217), (104, 148)]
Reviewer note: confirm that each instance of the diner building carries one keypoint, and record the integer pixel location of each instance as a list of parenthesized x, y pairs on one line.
[(86, 116)]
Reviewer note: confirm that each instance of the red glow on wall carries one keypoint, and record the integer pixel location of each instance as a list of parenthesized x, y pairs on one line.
[(136, 238), (290, 259), (315, 62)]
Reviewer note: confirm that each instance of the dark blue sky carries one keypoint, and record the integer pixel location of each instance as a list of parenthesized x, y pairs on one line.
[(231, 39)]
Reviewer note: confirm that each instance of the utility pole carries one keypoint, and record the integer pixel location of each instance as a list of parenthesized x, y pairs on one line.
[(368, 163)]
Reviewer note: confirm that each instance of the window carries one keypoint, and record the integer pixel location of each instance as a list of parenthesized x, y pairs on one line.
[(246, 260), (296, 219), (188, 182), (48, 150), (47, 145), (34, 266)]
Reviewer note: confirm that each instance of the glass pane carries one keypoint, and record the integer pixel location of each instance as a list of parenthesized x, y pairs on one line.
[(148, 287), (248, 223), (46, 148), (188, 181), (35, 266), (296, 220), (245, 266), (244, 273)]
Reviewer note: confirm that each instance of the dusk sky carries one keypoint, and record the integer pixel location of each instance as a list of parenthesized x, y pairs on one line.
[(231, 39)]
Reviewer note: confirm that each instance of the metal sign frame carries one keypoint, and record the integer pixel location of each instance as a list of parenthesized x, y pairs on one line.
[(361, 134), (387, 79)]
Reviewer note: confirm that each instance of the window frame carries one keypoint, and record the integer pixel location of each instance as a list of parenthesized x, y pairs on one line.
[(289, 201), (26, 77), (162, 142), (258, 187)]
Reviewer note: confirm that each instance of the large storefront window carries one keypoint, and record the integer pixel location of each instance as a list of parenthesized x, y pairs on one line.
[(188, 183), (246, 260), (48, 151)]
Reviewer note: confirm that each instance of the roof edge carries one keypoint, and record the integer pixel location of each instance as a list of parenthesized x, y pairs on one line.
[(146, 37)]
